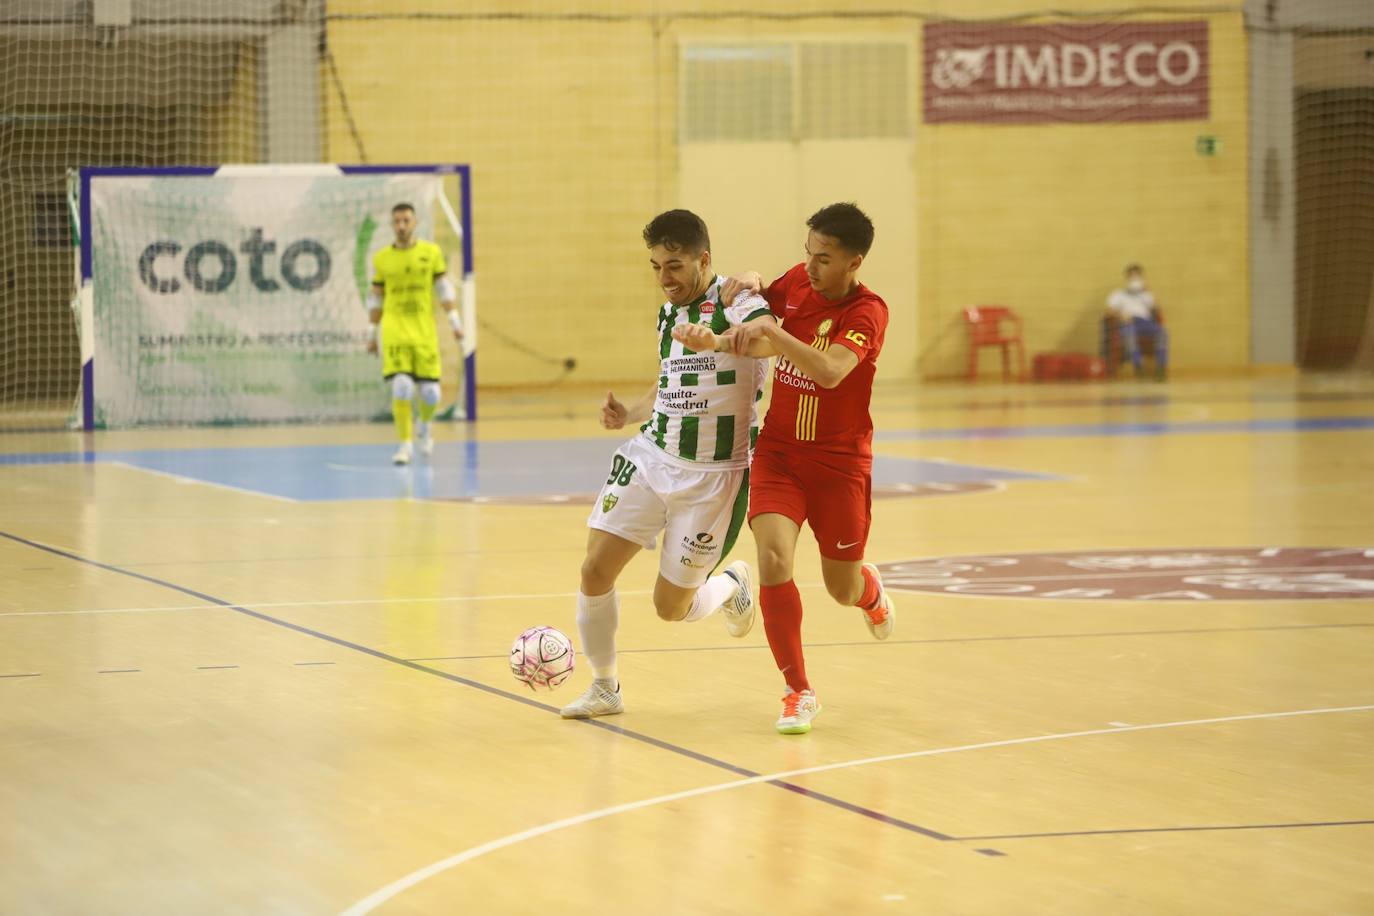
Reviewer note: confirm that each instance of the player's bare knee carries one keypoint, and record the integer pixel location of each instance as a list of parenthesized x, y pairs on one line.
[(671, 609), (845, 593), (775, 565), (597, 576)]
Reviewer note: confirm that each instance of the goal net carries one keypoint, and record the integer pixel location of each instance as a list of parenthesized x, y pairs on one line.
[(238, 294)]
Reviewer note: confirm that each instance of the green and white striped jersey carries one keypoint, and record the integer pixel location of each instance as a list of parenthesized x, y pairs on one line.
[(706, 409)]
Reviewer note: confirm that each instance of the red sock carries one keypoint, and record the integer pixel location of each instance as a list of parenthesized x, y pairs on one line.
[(869, 599), (782, 617)]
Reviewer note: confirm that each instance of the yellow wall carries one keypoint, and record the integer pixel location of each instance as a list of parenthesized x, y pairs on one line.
[(1044, 218), (570, 126)]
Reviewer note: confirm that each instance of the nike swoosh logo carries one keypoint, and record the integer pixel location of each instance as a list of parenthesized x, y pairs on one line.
[(840, 546), (790, 307)]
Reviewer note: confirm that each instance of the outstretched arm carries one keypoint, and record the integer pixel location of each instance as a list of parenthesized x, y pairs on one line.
[(767, 338), (764, 337), (615, 415), (448, 298), (702, 339)]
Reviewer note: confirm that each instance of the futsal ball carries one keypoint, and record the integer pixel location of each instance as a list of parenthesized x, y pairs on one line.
[(542, 658)]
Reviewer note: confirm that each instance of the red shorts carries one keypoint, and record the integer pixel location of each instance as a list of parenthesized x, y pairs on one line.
[(832, 493)]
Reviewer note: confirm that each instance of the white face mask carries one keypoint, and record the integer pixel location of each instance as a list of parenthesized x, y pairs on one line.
[(1135, 285)]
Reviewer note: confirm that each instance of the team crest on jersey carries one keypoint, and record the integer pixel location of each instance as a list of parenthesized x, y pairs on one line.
[(824, 328), (608, 502)]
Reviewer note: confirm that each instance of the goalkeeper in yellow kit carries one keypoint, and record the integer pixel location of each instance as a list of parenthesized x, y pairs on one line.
[(406, 276)]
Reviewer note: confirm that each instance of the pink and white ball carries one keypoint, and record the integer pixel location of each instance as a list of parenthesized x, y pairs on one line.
[(542, 658)]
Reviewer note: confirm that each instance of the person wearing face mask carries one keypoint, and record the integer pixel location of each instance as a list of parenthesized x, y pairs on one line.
[(1133, 314)]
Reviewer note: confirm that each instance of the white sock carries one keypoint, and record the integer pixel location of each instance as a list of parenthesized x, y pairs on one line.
[(712, 594), (597, 619)]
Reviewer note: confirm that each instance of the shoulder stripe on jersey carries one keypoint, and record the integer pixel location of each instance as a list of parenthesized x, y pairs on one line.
[(719, 323)]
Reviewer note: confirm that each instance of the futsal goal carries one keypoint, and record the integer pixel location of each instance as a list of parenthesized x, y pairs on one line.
[(238, 293)]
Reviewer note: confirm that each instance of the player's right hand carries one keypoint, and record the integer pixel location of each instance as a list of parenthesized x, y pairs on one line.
[(613, 413), (749, 280), (695, 337)]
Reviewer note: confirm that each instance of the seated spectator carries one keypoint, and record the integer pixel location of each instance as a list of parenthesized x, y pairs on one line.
[(1133, 315)]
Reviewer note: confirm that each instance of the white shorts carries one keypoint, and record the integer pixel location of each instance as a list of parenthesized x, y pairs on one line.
[(699, 512)]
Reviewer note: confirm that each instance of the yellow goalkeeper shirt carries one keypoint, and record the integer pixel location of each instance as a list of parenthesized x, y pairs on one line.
[(408, 276)]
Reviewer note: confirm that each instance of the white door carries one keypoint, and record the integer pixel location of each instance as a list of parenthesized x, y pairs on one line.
[(773, 132)]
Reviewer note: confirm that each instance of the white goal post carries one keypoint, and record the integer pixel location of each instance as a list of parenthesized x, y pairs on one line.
[(237, 293)]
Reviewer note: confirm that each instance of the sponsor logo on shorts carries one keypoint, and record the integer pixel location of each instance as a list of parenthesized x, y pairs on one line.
[(687, 561), (839, 546), (701, 544), (608, 502)]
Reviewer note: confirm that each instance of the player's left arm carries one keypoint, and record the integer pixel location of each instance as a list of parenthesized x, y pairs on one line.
[(446, 293), (854, 339), (745, 309)]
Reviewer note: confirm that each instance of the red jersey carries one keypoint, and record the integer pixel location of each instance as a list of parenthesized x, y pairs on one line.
[(802, 414)]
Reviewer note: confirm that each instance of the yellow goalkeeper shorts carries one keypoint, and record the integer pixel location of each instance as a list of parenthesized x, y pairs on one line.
[(419, 362)]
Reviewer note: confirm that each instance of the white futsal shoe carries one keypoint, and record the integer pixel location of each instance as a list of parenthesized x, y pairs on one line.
[(798, 709), (598, 700), (738, 609), (424, 437), (882, 617), (402, 455)]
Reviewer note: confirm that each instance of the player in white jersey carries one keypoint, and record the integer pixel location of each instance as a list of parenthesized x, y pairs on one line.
[(686, 474)]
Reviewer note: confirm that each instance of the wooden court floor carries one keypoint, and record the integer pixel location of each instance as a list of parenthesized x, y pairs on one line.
[(262, 671)]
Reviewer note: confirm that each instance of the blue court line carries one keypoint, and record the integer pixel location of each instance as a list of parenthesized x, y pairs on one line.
[(1075, 430), (458, 470), (478, 685), (1146, 400)]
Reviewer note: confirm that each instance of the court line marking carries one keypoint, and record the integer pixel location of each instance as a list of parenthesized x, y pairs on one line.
[(871, 644), (478, 686), (182, 479), (288, 604), (1193, 829), (383, 894), (775, 780)]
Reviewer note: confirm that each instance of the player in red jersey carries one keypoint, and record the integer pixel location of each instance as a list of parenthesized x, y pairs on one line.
[(814, 460)]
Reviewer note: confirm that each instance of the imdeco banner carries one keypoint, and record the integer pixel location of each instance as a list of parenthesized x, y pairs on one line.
[(1066, 73)]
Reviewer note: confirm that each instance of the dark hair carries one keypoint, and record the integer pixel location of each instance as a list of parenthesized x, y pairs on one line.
[(1132, 269), (846, 224), (403, 206), (678, 229)]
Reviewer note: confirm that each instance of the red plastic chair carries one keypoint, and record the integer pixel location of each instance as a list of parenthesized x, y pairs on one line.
[(995, 326)]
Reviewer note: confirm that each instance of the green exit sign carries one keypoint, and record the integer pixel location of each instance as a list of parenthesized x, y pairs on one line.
[(1208, 145)]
